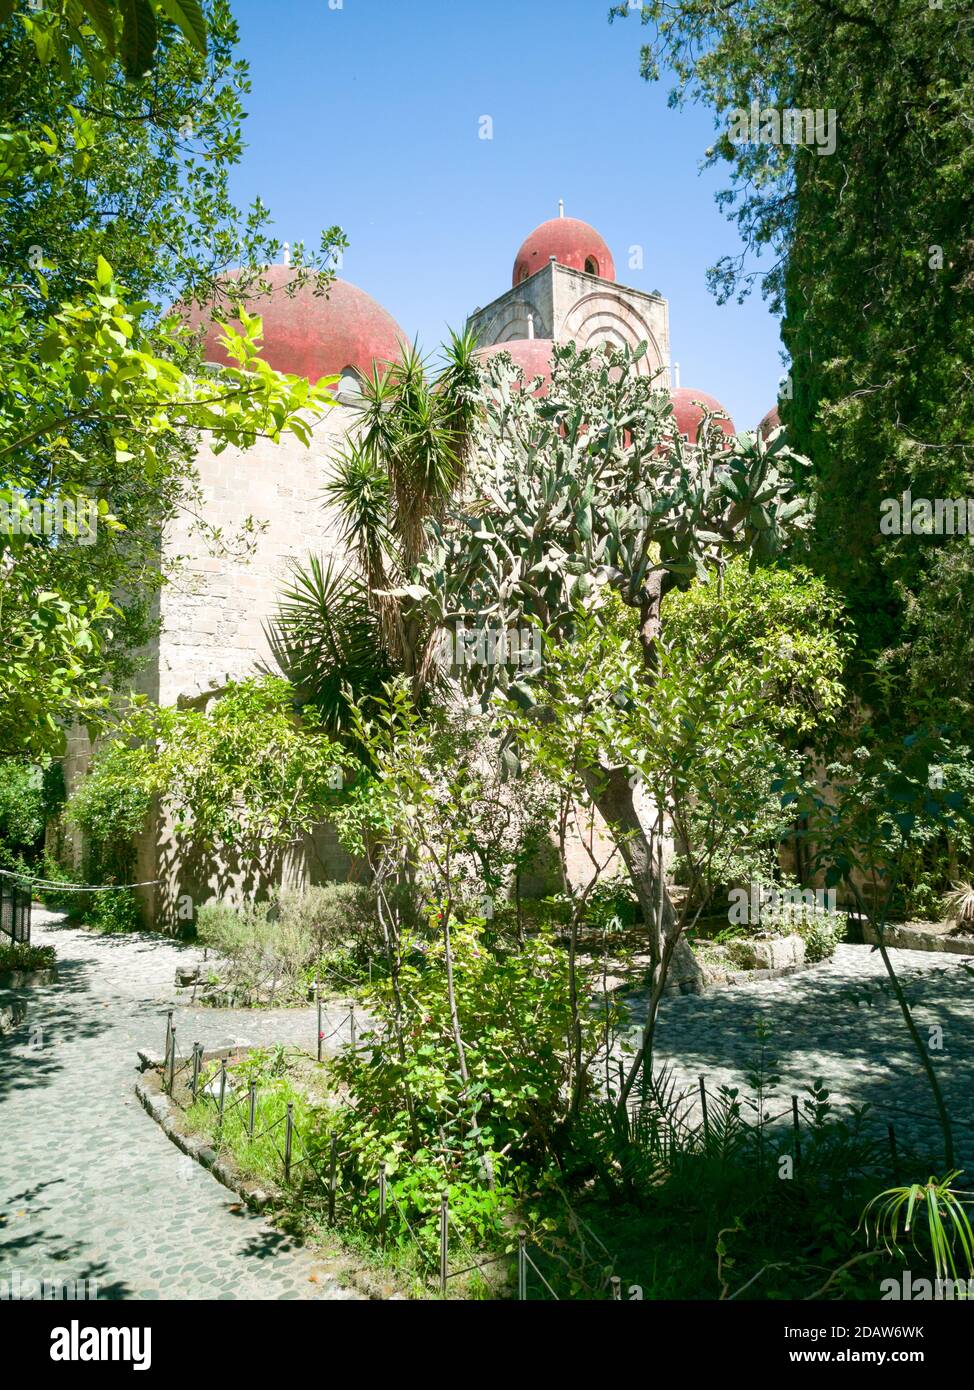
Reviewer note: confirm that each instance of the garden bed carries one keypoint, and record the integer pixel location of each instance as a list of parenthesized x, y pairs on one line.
[(922, 936), (251, 1168), (23, 966), (258, 1194)]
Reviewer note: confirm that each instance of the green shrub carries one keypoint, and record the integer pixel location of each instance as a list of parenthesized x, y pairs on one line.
[(53, 872), (821, 933), (410, 1110), (272, 951), (111, 913), (21, 956), (30, 795)]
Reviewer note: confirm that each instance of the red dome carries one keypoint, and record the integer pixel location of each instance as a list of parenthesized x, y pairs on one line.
[(571, 242), (688, 412), (313, 335), (532, 355), (770, 423)]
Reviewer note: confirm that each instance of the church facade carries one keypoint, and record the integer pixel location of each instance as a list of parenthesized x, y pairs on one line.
[(214, 611)]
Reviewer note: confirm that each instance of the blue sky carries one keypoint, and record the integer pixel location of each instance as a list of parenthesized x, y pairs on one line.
[(368, 115)]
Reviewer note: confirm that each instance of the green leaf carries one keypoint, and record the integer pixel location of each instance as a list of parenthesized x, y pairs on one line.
[(139, 36), (102, 19), (188, 18)]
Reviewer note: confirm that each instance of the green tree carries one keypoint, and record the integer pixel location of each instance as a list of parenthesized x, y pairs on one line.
[(870, 258), (246, 778), (593, 486), (97, 170), (345, 629), (102, 32), (92, 366)]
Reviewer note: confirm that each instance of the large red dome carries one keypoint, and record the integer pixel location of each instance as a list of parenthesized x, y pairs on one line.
[(532, 355), (571, 242), (313, 335), (770, 423), (688, 410)]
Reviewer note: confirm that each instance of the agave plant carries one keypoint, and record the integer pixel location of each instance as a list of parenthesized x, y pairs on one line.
[(936, 1204), (959, 903)]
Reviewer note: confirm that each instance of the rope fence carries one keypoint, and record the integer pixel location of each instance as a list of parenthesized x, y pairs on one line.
[(50, 885)]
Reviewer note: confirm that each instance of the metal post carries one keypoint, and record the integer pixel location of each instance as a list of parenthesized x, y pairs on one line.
[(895, 1156), (172, 1059), (332, 1178), (795, 1126), (288, 1133), (197, 1058), (382, 1205), (703, 1104), (223, 1086), (253, 1108), (444, 1240), (168, 1031), (522, 1269), (351, 1027), (318, 1001)]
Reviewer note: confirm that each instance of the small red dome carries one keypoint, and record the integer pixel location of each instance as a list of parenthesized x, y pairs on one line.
[(770, 423), (532, 355), (313, 335), (571, 242), (688, 409)]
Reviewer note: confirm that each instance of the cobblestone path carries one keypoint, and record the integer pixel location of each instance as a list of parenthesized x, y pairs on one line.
[(838, 1022), (90, 1187)]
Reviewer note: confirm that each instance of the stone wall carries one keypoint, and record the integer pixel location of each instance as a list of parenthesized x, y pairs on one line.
[(571, 304), (215, 609), (213, 629)]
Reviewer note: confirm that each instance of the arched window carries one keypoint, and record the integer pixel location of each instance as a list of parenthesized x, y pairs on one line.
[(591, 265), (349, 386)]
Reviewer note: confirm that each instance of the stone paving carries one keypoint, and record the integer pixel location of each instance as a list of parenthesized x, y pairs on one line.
[(838, 1022), (90, 1187)]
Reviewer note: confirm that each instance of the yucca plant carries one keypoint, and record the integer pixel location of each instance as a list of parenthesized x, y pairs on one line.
[(328, 640), (397, 472), (959, 903), (935, 1204)]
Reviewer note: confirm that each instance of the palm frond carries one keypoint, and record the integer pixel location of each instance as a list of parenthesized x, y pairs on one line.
[(328, 641)]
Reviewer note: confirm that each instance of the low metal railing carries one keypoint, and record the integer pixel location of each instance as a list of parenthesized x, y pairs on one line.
[(14, 910)]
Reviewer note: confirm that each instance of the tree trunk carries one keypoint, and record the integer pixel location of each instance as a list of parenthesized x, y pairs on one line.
[(612, 794)]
